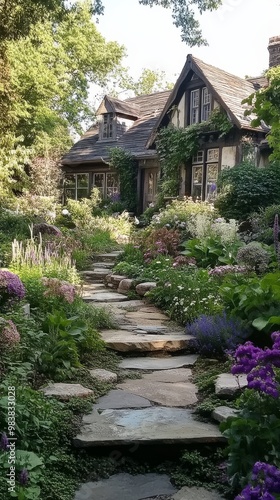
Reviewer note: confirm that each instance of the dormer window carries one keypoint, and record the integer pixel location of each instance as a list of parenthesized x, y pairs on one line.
[(194, 114), (108, 126), (205, 104), (200, 105)]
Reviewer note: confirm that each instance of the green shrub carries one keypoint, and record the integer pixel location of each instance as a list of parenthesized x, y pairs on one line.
[(186, 293), (255, 256), (211, 251), (179, 212), (262, 224), (245, 188)]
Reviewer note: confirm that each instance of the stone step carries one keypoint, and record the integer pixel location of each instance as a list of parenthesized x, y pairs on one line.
[(104, 296), (107, 257), (177, 394), (125, 486), (106, 265), (152, 363), (125, 341), (155, 425), (98, 274)]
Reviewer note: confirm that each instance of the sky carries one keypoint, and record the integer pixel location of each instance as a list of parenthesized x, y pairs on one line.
[(237, 34)]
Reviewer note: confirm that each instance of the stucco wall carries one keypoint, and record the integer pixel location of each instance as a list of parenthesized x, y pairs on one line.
[(228, 157), (178, 117)]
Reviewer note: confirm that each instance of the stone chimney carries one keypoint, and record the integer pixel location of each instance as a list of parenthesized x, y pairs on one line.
[(274, 51)]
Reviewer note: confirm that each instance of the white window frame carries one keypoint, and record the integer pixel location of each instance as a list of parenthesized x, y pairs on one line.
[(75, 187), (212, 159), (107, 127), (206, 99), (194, 106)]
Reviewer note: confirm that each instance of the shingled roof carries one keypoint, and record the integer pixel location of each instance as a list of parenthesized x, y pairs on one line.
[(229, 90), (89, 149)]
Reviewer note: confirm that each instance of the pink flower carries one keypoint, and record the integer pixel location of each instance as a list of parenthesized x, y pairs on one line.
[(58, 288), (9, 335)]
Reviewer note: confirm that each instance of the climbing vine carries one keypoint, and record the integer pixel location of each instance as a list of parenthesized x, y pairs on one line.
[(176, 145), (126, 168)]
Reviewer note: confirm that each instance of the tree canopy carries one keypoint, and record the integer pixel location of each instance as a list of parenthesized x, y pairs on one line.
[(184, 16), (44, 87), (50, 74)]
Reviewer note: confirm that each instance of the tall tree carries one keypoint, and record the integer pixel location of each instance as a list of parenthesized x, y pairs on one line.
[(51, 70), (49, 74), (123, 84), (184, 16)]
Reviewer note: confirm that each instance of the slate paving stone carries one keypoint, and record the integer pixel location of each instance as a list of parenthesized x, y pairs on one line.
[(123, 341), (125, 305), (126, 487), (180, 394), (118, 399), (228, 384), (169, 376), (105, 297), (196, 494), (104, 375), (151, 316), (221, 413), (145, 426), (66, 391), (153, 363), (107, 265)]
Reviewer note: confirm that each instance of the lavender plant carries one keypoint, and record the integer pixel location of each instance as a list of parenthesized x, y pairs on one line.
[(45, 261), (276, 238), (215, 335)]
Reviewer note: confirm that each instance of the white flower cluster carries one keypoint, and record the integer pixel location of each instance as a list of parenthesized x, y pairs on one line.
[(228, 231)]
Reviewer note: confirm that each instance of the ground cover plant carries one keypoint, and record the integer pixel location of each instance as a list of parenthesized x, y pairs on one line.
[(59, 341)]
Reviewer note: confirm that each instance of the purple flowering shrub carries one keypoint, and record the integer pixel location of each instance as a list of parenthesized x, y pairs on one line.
[(9, 335), (11, 288), (261, 366), (215, 335), (55, 288), (254, 435), (228, 269), (160, 242), (265, 482)]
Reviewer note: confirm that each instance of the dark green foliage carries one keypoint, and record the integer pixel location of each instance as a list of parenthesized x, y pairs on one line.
[(126, 167), (245, 189), (252, 436), (184, 17), (262, 223), (176, 145)]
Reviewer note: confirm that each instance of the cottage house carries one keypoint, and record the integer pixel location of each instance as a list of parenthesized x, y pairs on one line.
[(133, 124)]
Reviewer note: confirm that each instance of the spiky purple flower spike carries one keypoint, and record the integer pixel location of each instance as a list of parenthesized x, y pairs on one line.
[(4, 443), (276, 236), (23, 478)]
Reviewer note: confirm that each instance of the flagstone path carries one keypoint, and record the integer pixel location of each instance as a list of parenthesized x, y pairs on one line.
[(154, 409)]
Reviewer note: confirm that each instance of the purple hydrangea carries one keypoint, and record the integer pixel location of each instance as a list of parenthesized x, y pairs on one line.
[(11, 288), (266, 481)]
